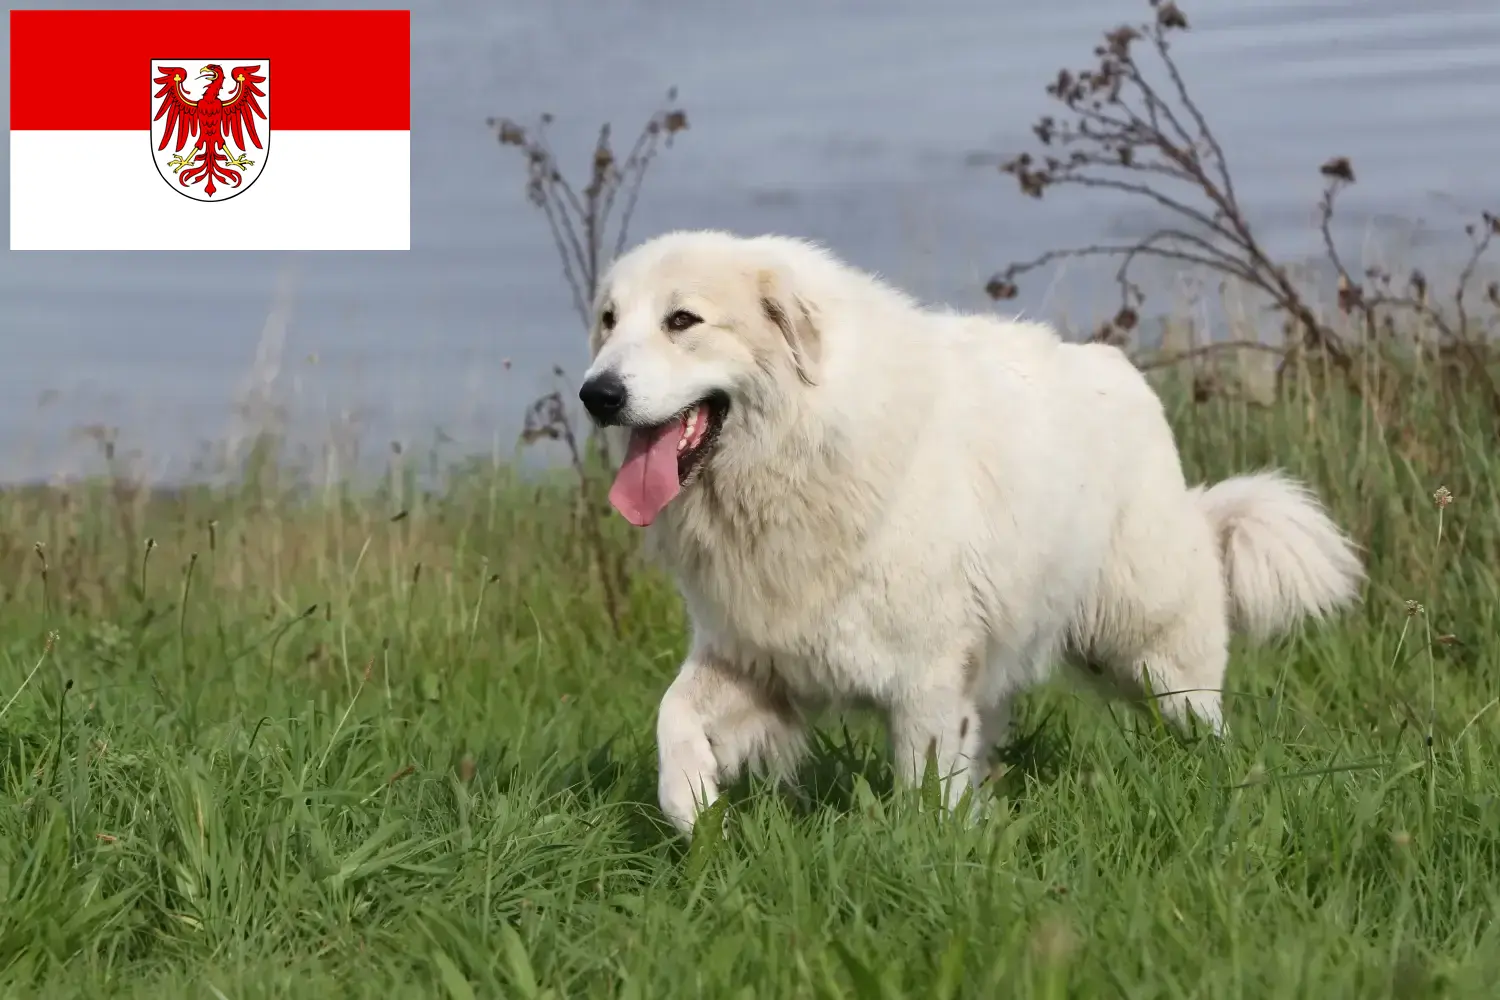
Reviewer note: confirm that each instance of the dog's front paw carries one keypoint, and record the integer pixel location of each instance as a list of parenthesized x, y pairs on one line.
[(687, 786)]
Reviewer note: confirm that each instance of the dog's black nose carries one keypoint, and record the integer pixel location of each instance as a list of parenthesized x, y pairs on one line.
[(603, 396)]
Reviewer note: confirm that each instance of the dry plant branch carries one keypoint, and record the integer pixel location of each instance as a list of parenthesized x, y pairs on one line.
[(547, 419), (590, 226), (1124, 132), (580, 218), (1379, 299)]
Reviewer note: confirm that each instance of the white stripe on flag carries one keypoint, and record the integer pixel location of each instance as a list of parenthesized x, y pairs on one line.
[(94, 190)]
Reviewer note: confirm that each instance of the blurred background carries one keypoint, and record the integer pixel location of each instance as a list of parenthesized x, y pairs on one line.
[(872, 125)]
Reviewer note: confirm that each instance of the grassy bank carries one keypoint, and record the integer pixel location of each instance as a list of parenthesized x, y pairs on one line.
[(378, 743)]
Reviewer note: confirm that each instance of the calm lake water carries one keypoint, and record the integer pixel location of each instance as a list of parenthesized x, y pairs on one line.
[(862, 123)]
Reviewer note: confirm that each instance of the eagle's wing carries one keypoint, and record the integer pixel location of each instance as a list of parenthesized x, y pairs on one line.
[(241, 109), (181, 110)]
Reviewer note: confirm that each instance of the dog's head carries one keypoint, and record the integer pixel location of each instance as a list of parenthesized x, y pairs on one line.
[(693, 333)]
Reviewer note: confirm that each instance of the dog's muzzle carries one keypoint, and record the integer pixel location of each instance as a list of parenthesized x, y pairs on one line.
[(604, 396)]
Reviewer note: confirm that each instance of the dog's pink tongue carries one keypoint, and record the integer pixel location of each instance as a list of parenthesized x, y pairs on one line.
[(647, 481)]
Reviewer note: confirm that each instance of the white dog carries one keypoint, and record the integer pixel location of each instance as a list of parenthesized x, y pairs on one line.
[(864, 501)]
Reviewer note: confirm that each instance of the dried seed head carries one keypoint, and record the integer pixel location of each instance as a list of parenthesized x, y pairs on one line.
[(508, 132), (998, 289), (1351, 296), (1413, 609), (1419, 287), (1169, 16), (1118, 41), (1339, 168), (1442, 497)]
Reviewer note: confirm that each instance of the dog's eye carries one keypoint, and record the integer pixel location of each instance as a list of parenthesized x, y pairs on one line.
[(607, 319), (681, 320)]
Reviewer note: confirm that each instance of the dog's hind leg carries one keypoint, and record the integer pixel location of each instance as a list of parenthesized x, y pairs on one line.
[(714, 719), (1184, 667), (1160, 620)]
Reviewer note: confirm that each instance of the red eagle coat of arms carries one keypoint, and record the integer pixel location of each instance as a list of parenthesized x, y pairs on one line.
[(209, 121)]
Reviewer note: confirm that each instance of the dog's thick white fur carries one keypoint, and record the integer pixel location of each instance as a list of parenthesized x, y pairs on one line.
[(924, 511)]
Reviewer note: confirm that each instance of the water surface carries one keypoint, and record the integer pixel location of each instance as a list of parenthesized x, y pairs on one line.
[(864, 124)]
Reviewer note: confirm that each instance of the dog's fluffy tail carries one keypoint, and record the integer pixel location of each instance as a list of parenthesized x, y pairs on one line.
[(1283, 557)]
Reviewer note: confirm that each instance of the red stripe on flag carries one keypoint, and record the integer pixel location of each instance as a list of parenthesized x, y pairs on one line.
[(333, 69)]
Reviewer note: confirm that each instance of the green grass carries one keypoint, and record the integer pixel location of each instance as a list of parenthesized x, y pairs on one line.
[(292, 746)]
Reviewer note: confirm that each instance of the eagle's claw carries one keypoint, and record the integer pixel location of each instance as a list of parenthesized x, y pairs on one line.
[(179, 161), (242, 161)]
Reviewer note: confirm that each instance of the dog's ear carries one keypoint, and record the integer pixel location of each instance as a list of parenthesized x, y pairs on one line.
[(794, 316)]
